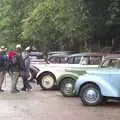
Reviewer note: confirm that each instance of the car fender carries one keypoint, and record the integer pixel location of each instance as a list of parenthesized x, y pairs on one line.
[(105, 87), (67, 75), (56, 72)]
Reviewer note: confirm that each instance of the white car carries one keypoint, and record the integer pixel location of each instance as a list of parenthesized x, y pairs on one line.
[(49, 73)]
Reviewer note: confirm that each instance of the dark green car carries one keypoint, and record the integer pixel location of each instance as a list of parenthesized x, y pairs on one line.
[(66, 81)]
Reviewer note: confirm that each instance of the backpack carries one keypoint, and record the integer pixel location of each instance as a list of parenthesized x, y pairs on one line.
[(3, 59), (12, 57)]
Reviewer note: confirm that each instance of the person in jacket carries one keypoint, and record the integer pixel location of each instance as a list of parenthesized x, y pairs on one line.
[(25, 70), (14, 67), (3, 66)]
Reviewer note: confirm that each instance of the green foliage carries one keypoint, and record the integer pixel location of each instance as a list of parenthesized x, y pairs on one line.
[(53, 24)]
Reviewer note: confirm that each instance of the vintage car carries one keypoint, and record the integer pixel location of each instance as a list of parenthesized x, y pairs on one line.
[(49, 74), (67, 81), (101, 83)]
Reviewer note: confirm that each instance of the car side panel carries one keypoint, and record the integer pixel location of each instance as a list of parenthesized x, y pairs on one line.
[(115, 80), (105, 86)]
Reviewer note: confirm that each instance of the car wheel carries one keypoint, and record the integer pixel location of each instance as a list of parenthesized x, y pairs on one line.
[(47, 81), (90, 95), (67, 87)]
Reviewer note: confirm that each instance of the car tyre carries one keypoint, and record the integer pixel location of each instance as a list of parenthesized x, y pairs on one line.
[(90, 95), (67, 87), (47, 81)]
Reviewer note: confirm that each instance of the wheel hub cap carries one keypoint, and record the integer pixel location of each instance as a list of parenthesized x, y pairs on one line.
[(47, 81), (91, 95), (68, 88), (68, 85)]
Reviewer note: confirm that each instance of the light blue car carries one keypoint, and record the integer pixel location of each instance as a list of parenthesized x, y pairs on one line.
[(101, 83)]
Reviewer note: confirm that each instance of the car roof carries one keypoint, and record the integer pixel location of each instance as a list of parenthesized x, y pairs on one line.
[(59, 55), (86, 54), (114, 56), (60, 52)]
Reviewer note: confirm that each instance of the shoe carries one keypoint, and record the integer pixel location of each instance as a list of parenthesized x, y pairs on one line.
[(1, 90), (23, 89), (17, 90), (30, 89)]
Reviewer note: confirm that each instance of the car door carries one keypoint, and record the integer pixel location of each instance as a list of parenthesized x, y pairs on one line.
[(115, 80), (115, 75), (113, 65)]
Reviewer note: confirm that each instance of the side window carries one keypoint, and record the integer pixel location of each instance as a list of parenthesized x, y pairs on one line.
[(77, 60), (56, 60), (70, 60), (105, 63), (95, 60), (51, 59), (62, 60), (118, 63), (85, 60)]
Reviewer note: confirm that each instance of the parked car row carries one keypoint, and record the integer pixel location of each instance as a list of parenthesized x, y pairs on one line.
[(90, 77), (48, 75)]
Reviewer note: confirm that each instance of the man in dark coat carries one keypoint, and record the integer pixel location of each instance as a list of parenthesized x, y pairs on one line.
[(14, 69), (25, 70)]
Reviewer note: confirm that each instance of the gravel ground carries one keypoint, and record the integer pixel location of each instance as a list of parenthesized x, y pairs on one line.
[(51, 105)]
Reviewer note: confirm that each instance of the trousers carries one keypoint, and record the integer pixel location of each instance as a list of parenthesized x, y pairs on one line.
[(2, 76), (14, 80), (25, 76)]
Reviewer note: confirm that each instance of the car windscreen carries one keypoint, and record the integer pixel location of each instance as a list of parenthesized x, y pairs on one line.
[(111, 63)]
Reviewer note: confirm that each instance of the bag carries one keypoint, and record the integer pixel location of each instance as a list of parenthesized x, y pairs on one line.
[(3, 59)]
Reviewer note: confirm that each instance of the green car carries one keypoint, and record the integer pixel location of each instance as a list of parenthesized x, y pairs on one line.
[(66, 81)]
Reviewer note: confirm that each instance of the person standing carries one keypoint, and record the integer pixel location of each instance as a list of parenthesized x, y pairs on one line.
[(14, 67), (3, 66), (25, 70)]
